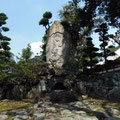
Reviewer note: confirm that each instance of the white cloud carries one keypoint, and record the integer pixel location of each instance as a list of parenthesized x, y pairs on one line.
[(36, 47)]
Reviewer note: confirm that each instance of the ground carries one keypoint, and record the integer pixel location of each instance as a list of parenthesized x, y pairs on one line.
[(87, 109)]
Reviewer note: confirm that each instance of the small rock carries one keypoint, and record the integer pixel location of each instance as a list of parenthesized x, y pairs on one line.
[(80, 112), (66, 112), (47, 104), (115, 112), (112, 118), (51, 109), (39, 115), (21, 113), (39, 118), (36, 106), (3, 117), (18, 117), (67, 118)]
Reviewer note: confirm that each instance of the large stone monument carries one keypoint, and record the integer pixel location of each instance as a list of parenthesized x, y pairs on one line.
[(58, 46)]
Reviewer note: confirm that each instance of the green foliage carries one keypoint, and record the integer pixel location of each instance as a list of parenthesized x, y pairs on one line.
[(26, 54), (5, 29), (66, 25), (43, 55), (108, 9), (72, 66), (79, 22), (5, 53), (46, 23), (45, 20), (90, 55), (103, 38), (47, 15), (25, 73)]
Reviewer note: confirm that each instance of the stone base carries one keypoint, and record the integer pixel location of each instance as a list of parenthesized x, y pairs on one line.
[(62, 96)]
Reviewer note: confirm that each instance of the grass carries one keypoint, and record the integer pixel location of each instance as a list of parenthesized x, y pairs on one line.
[(101, 104), (8, 105)]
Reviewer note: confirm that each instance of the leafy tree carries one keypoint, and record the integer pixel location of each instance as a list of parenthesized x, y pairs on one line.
[(112, 9), (90, 55), (5, 53), (73, 17), (108, 9)]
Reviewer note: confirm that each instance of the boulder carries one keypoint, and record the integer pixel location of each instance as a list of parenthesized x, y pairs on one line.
[(17, 93), (62, 96), (81, 88), (37, 90), (3, 117), (114, 94)]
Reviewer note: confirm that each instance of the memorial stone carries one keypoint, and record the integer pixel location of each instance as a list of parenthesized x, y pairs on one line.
[(58, 46)]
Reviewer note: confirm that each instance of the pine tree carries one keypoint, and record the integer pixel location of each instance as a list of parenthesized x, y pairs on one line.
[(103, 38), (45, 20), (43, 55), (5, 53), (90, 55)]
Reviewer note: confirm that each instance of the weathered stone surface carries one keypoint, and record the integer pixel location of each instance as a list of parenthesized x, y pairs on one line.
[(58, 46)]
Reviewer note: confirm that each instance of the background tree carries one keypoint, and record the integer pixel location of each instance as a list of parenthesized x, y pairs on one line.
[(104, 38), (46, 23), (108, 9), (43, 55), (5, 53), (26, 54), (79, 22), (90, 55), (116, 37)]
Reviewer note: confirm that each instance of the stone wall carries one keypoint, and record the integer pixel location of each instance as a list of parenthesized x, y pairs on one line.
[(103, 86)]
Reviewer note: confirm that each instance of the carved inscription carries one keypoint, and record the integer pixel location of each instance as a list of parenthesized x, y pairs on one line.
[(57, 45)]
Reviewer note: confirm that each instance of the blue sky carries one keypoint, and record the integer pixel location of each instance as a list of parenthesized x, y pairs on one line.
[(23, 18)]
